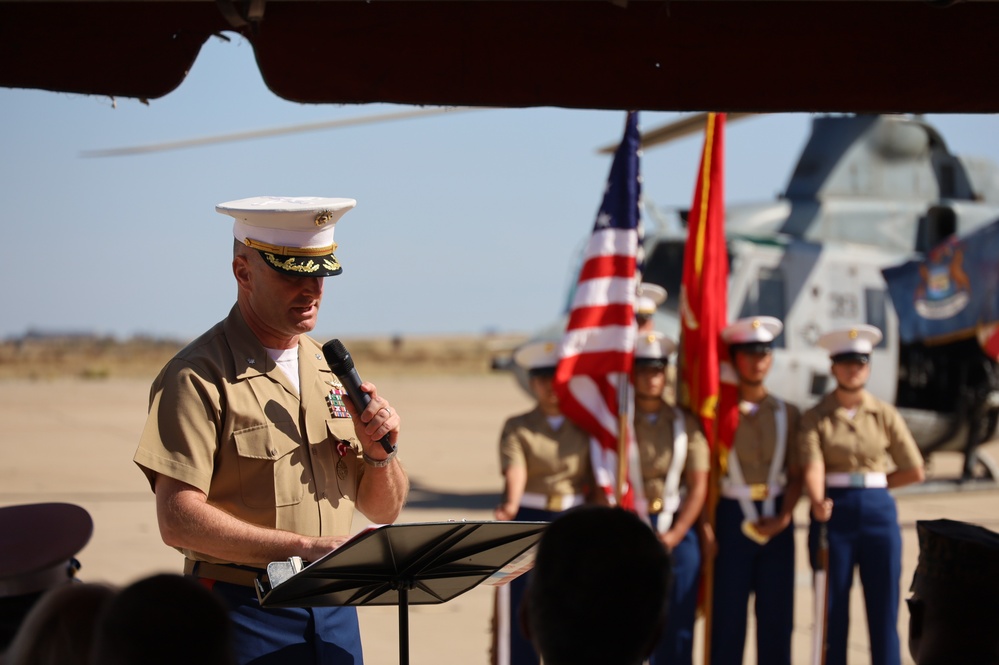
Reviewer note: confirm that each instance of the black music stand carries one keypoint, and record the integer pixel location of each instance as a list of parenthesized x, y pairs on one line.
[(402, 564)]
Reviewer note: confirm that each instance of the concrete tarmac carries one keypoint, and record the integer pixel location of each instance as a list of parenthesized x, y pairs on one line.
[(73, 441)]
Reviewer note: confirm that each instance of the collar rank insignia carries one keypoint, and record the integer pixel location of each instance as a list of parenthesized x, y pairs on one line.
[(334, 400)]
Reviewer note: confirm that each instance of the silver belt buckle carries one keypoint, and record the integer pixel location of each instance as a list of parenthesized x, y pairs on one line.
[(857, 480)]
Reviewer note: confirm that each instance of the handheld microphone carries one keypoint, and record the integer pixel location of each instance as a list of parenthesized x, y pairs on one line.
[(342, 366)]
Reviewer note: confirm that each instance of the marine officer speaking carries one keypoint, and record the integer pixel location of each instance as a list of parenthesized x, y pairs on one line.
[(545, 462), (675, 463), (846, 443), (251, 446), (754, 531)]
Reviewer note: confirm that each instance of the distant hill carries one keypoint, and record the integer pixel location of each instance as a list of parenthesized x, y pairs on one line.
[(77, 355)]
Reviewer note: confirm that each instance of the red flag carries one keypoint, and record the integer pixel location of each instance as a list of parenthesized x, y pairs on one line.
[(704, 296), (703, 315), (592, 379)]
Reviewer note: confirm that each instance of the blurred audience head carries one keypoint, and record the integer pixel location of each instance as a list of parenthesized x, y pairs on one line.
[(954, 608), (164, 619), (40, 544), (598, 590), (60, 628)]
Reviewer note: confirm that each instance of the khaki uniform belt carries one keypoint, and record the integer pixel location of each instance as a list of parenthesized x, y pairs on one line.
[(220, 572)]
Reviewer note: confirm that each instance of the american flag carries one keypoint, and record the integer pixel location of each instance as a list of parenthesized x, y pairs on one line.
[(593, 377)]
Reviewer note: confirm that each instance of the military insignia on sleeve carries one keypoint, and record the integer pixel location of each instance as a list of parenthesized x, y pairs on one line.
[(335, 398)]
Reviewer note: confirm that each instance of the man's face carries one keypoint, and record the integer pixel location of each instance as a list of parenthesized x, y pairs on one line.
[(851, 375), (278, 307), (649, 381), (753, 366)]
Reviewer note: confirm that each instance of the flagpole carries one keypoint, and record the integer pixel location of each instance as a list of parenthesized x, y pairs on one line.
[(622, 460), (708, 558)]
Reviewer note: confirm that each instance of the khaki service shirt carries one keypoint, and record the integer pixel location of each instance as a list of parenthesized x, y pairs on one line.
[(655, 447), (557, 462), (756, 440), (860, 444), (226, 420)]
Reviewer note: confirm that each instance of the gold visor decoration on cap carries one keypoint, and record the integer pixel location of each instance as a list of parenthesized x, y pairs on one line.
[(309, 266)]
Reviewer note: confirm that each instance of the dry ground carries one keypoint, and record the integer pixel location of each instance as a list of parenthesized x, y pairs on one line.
[(71, 439)]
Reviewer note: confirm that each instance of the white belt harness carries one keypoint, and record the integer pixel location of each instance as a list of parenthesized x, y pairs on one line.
[(734, 485), (554, 502), (871, 479), (671, 487)]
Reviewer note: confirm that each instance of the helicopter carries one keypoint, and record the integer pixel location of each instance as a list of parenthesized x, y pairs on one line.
[(868, 192)]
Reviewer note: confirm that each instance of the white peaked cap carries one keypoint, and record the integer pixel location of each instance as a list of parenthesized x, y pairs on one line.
[(752, 329), (648, 297), (536, 355), (294, 234), (861, 338), (654, 345)]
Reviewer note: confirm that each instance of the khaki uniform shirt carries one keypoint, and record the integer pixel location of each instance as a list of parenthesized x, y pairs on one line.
[(860, 444), (655, 448), (225, 419), (756, 440), (557, 462)]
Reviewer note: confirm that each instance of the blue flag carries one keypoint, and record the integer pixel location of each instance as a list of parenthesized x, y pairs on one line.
[(951, 294)]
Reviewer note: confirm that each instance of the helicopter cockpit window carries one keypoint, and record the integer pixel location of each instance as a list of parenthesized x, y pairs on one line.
[(766, 298), (876, 310), (664, 266)]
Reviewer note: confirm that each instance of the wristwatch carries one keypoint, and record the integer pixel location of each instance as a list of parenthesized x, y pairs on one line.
[(378, 463)]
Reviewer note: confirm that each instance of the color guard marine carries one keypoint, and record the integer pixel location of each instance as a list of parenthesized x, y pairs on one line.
[(760, 485), (545, 462), (849, 443), (648, 297), (674, 458)]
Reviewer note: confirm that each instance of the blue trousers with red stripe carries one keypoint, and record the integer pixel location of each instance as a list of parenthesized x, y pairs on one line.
[(304, 636), (744, 567), (863, 532), (676, 644)]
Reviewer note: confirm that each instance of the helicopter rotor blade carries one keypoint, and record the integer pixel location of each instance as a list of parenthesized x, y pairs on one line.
[(275, 131), (691, 124)]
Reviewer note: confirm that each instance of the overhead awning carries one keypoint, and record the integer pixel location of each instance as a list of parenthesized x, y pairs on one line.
[(749, 55)]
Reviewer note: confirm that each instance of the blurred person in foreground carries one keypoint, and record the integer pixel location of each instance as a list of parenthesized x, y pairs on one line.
[(60, 628), (252, 447), (846, 443), (754, 529), (954, 608), (164, 619), (38, 547), (675, 460), (599, 588), (545, 462)]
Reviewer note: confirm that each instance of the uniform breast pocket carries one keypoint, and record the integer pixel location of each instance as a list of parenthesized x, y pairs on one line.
[(271, 469)]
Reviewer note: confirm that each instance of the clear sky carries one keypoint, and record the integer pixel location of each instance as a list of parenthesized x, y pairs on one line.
[(465, 222)]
